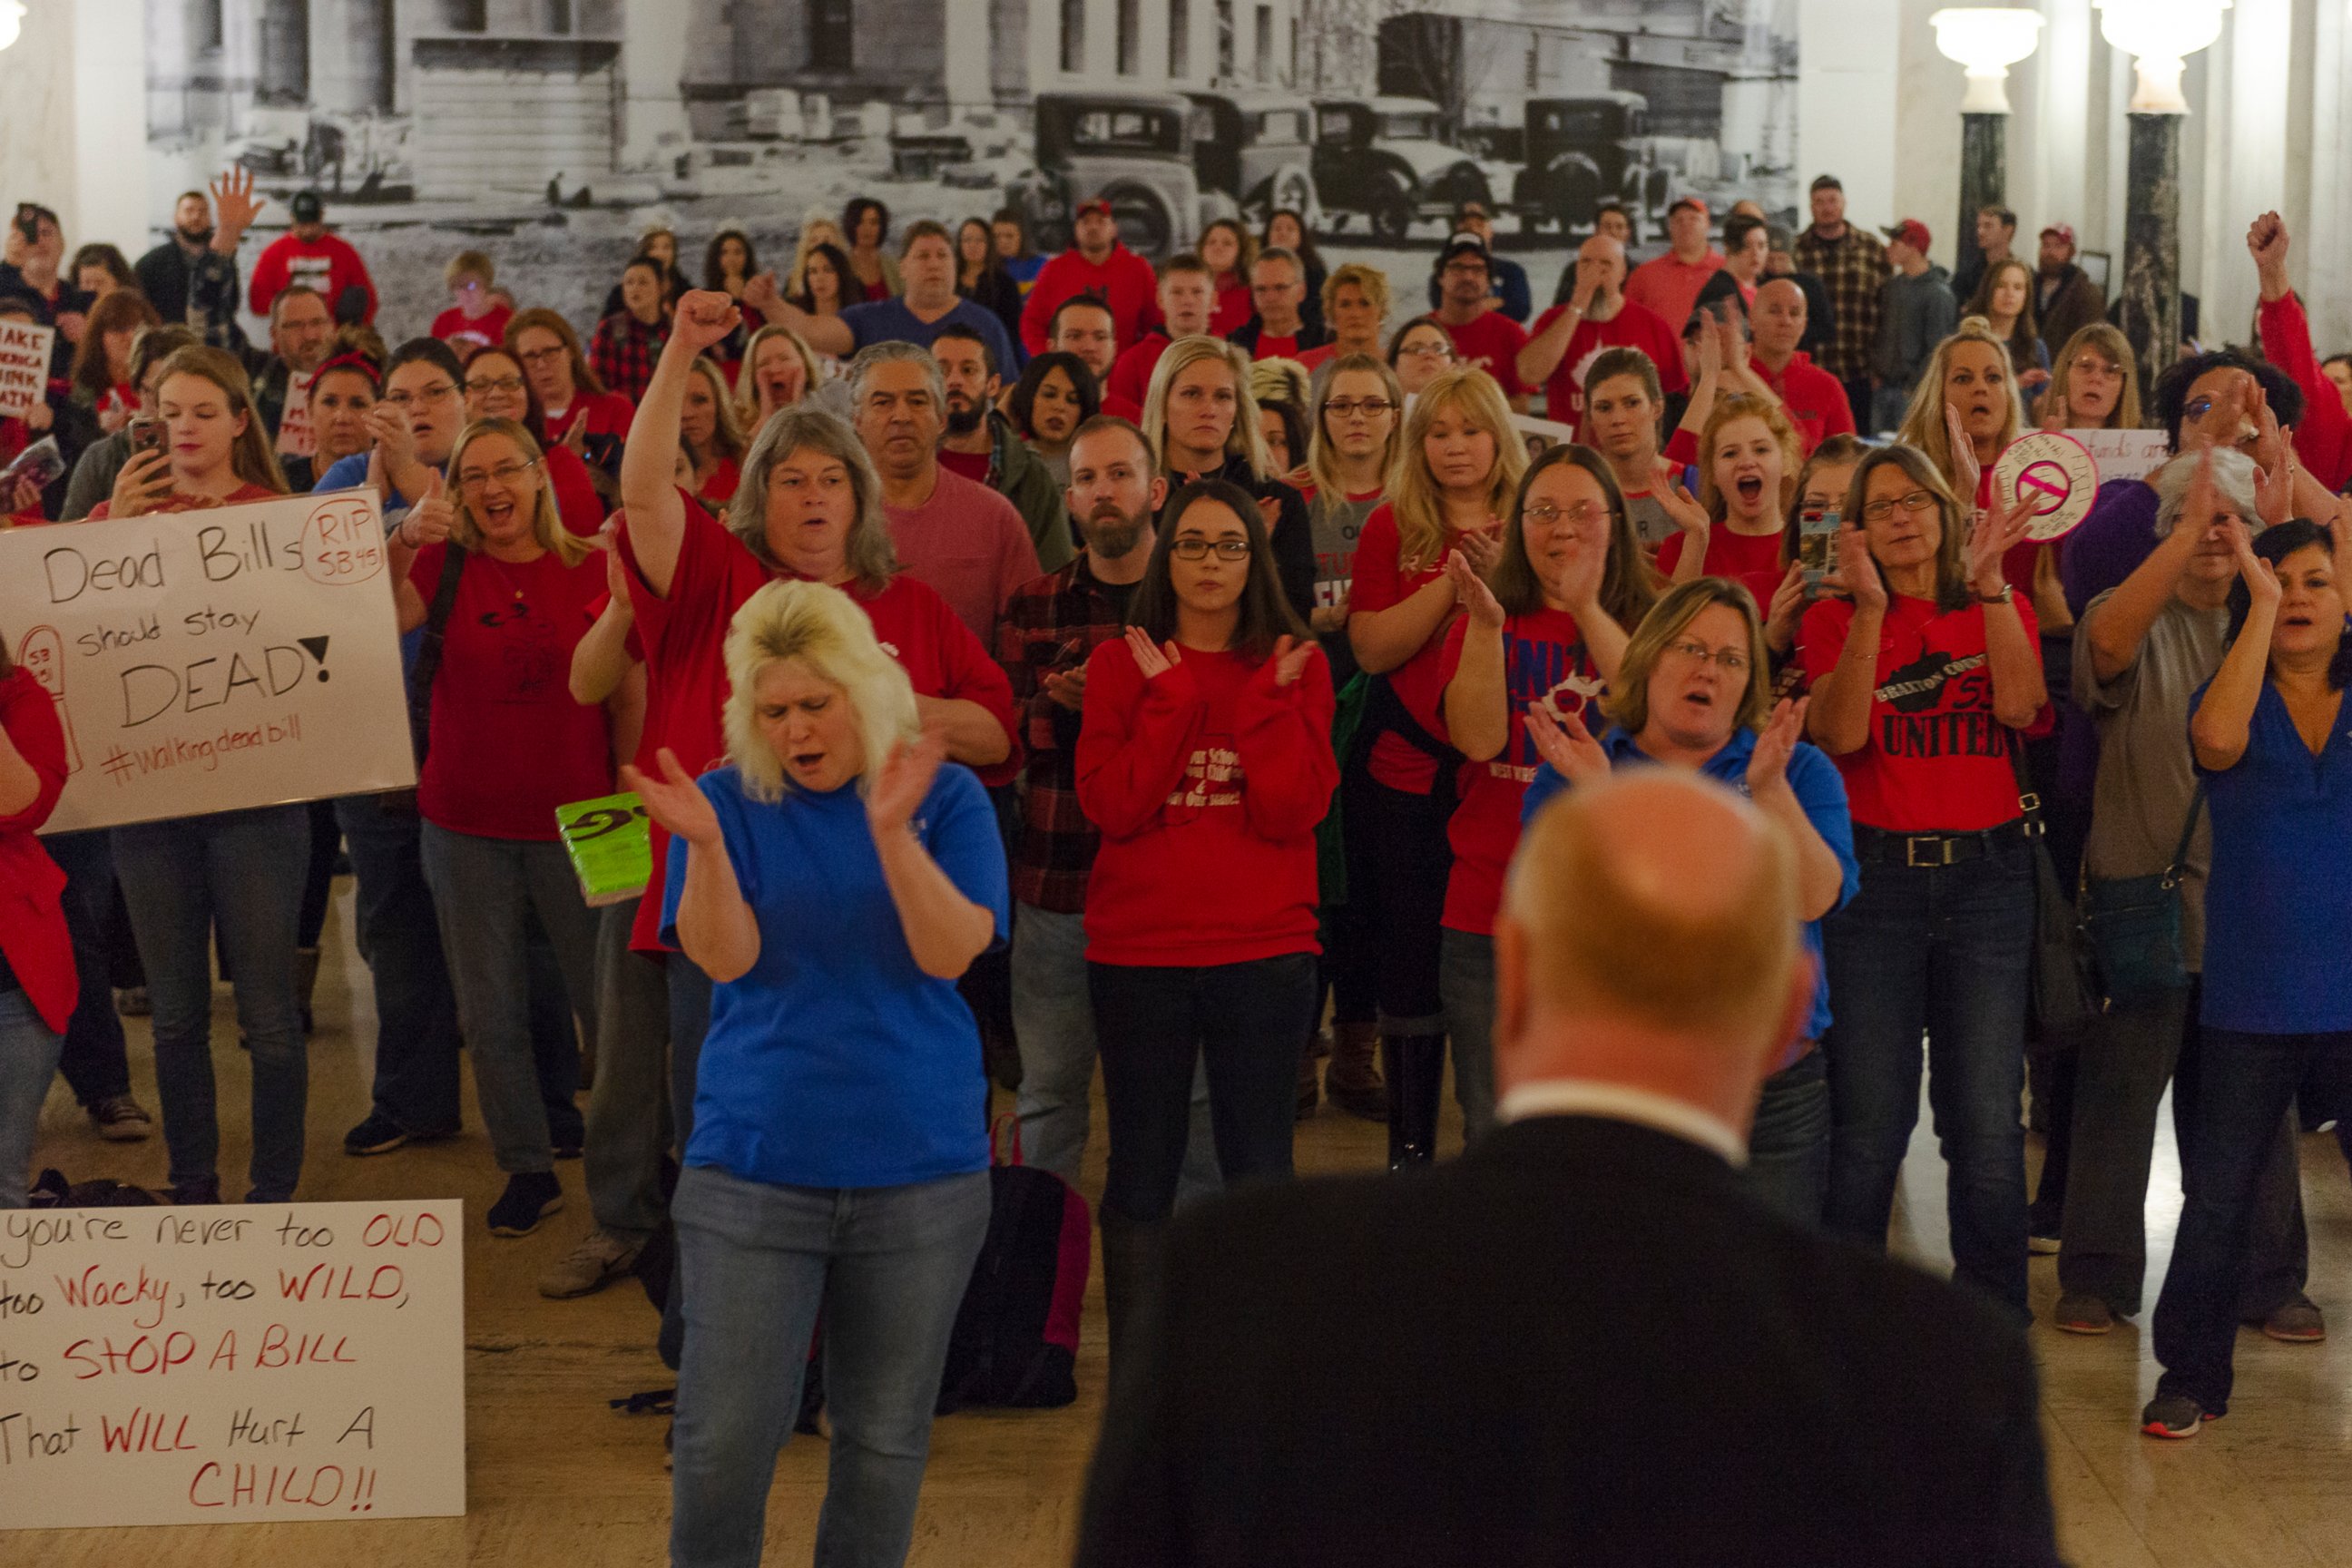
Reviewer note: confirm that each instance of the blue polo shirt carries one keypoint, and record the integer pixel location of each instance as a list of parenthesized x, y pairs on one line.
[(2278, 901), (889, 321), (835, 1061), (1819, 789)]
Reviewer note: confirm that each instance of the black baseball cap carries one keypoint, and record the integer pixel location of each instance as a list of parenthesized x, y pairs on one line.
[(307, 208), (1464, 244)]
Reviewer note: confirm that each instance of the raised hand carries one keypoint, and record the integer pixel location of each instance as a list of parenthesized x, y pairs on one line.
[(1153, 659), (1857, 571), (388, 422), (143, 484), (1567, 745), (1710, 352), (234, 206), (430, 519), (1588, 288), (1290, 657), (898, 787), (1789, 602), (1470, 592), (1682, 508), (1992, 535), (704, 317), (761, 294), (1768, 764), (1966, 469), (2266, 241), (673, 801), (2260, 576)]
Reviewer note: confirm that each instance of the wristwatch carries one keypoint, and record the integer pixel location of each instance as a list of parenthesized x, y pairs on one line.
[(2000, 598)]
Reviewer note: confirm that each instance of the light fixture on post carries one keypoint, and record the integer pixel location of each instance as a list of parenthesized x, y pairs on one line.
[(2159, 36), (12, 21), (1987, 40)]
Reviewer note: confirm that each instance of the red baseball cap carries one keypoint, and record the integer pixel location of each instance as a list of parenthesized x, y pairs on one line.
[(1911, 232), (2065, 231), (1683, 202), (1093, 205)]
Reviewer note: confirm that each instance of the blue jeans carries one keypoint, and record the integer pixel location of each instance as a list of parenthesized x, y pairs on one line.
[(240, 871), (399, 939), (1789, 1146), (690, 1020), (2244, 1085), (96, 1061), (628, 1106), (485, 890), (1245, 1023), (28, 1059), (1944, 951), (887, 1267), (1053, 1020), (1466, 978)]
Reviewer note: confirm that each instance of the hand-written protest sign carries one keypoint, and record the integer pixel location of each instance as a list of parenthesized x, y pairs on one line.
[(25, 352), (217, 1365), (611, 846), (208, 660), (2124, 454)]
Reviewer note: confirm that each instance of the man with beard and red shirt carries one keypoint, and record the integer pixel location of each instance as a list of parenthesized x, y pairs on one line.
[(306, 254), (1188, 297), (1095, 264), (1597, 318), (1813, 397), (1482, 334)]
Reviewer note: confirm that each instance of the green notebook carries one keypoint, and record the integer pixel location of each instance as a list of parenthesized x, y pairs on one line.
[(611, 846)]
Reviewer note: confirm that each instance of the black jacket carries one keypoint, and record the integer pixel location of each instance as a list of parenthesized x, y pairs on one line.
[(1583, 1342)]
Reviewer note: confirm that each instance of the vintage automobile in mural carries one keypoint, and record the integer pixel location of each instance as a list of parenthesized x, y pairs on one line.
[(1582, 152), (1133, 150), (1384, 158), (1259, 149)]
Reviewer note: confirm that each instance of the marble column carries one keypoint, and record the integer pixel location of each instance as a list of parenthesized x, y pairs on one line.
[(1984, 181), (2150, 296)]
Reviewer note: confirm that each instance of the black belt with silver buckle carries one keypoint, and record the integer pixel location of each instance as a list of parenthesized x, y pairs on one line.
[(1928, 850)]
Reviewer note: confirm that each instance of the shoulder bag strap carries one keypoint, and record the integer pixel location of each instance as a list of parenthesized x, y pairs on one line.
[(2187, 832), (428, 650)]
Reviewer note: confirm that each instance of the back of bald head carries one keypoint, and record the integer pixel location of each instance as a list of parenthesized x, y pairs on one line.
[(1662, 901)]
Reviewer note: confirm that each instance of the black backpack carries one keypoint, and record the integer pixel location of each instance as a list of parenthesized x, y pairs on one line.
[(1015, 1341)]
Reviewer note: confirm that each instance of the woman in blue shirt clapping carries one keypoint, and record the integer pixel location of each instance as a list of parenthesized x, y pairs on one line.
[(833, 878), (2269, 732)]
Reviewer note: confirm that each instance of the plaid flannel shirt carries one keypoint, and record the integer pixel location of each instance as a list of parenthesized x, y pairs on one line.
[(1053, 623), (624, 352), (1853, 269)]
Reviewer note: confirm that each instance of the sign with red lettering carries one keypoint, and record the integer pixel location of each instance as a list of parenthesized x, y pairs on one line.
[(2052, 471), (213, 659), (231, 1365), (25, 351)]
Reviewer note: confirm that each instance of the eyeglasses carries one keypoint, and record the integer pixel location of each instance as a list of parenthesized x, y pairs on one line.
[(1733, 661), (1578, 512), (494, 383), (1198, 549), (1428, 351), (1880, 511), (1349, 407), (543, 356), (506, 474), (440, 393)]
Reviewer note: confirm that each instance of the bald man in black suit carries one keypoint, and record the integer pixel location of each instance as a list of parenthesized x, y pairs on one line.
[(1583, 1342)]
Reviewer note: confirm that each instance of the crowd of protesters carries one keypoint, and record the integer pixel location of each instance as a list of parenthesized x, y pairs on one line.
[(1032, 662)]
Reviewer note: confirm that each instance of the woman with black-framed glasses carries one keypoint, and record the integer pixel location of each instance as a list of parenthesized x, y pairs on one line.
[(1921, 679), (1204, 756)]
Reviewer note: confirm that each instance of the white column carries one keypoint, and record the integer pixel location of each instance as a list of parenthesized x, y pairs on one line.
[(37, 137), (652, 61), (110, 122), (2049, 155), (969, 55), (1926, 132), (2249, 86), (2321, 257), (1846, 102)]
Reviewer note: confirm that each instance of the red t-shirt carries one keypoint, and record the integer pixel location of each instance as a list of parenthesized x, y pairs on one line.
[(684, 637), (1207, 781), (576, 500), (1131, 374), (1114, 403), (1492, 342), (1936, 761), (1815, 400), (1272, 347), (510, 744), (486, 331), (33, 938), (607, 413), (1633, 327), (1545, 665), (238, 497), (723, 482), (1234, 309), (1379, 583), (1122, 279), (1741, 557), (973, 466), (1667, 286)]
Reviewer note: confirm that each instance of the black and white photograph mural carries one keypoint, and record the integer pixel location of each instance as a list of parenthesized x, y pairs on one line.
[(551, 133)]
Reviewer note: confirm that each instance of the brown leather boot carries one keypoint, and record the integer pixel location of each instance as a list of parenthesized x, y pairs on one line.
[(1353, 1082)]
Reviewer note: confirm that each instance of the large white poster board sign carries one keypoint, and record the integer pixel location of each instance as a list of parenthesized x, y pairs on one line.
[(2124, 453), (208, 660), (231, 1365), (25, 351)]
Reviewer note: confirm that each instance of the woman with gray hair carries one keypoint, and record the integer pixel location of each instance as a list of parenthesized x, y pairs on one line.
[(834, 879), (809, 506), (2142, 650)]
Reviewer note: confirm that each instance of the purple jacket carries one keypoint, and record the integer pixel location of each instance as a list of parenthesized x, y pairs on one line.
[(2108, 547)]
